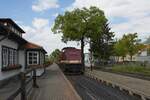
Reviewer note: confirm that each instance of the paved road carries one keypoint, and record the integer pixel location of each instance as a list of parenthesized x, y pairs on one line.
[(133, 84), (90, 89)]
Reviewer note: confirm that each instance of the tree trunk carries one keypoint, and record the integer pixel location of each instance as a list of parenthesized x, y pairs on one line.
[(123, 58), (82, 53), (131, 57), (117, 59)]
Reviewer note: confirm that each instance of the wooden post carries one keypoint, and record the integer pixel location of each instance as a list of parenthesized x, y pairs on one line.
[(34, 79), (23, 84)]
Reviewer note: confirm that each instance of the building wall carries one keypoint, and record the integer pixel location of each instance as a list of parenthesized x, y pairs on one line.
[(21, 60), (143, 53), (6, 42), (87, 59), (127, 58), (143, 56), (42, 57)]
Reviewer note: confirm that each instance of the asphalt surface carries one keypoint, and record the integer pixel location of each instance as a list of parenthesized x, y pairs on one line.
[(90, 89)]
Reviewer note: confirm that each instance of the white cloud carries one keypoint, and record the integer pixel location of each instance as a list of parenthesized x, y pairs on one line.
[(42, 5), (44, 36), (55, 15), (139, 25), (137, 12), (40, 22)]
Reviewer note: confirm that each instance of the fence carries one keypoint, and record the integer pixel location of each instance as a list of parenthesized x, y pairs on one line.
[(24, 81)]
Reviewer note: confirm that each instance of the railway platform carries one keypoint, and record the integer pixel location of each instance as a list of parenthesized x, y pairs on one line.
[(53, 85), (134, 86)]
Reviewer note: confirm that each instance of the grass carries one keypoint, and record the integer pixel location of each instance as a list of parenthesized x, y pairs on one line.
[(137, 69)]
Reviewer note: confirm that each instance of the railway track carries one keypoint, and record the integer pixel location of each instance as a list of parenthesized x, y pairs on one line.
[(90, 89)]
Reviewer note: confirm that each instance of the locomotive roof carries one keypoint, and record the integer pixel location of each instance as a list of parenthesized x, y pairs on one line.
[(69, 48)]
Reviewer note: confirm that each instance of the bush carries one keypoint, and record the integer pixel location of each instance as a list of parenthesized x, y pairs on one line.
[(131, 68)]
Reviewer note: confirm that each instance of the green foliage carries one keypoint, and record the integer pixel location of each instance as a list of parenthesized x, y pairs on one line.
[(120, 48), (129, 44), (55, 55), (80, 24), (131, 69), (132, 43), (101, 44)]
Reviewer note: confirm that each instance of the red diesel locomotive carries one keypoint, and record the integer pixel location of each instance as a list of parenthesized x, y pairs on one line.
[(71, 60)]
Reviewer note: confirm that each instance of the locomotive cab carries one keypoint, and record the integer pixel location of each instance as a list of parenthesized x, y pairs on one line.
[(71, 60)]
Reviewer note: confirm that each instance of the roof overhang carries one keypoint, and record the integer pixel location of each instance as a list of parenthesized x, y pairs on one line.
[(32, 46), (8, 20)]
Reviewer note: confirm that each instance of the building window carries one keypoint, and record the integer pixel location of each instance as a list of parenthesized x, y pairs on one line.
[(32, 57), (15, 57), (5, 57), (11, 60), (9, 56)]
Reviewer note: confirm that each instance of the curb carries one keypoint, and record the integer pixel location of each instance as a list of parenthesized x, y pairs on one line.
[(121, 88), (70, 85)]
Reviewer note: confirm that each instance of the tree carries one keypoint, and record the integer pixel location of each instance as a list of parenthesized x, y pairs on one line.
[(129, 44), (102, 44), (55, 55), (132, 44), (120, 48), (79, 25)]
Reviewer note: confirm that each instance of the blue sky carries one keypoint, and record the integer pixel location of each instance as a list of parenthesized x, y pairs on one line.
[(37, 17), (21, 10)]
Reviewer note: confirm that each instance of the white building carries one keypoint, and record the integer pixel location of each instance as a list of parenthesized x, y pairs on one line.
[(88, 60), (144, 55), (16, 53)]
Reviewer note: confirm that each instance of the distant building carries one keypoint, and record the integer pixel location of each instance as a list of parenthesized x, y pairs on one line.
[(144, 55), (88, 60)]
